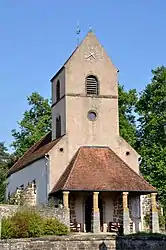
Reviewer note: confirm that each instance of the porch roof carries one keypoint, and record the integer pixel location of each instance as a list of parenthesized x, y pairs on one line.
[(100, 169)]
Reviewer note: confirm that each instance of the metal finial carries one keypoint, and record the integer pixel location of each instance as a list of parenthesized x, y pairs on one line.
[(78, 31), (90, 28)]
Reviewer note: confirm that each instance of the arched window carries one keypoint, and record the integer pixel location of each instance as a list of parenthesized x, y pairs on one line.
[(92, 85), (58, 90), (58, 126)]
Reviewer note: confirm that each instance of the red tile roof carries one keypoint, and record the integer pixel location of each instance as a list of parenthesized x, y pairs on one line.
[(99, 168), (36, 152)]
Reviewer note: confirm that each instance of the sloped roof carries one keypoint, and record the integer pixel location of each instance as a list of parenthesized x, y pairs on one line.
[(100, 169), (36, 152)]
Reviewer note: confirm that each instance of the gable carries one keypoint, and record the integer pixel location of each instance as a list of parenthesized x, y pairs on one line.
[(90, 58), (36, 152)]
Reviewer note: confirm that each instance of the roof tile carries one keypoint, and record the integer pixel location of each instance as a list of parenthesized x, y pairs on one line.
[(99, 168)]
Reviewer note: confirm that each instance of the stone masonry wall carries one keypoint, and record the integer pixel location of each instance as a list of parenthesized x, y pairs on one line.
[(141, 243), (7, 210), (60, 213), (87, 242), (118, 209), (74, 242)]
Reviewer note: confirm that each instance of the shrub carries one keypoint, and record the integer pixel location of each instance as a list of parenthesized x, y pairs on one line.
[(28, 223), (54, 227), (7, 228)]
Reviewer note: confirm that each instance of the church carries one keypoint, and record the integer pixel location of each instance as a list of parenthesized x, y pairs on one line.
[(84, 164)]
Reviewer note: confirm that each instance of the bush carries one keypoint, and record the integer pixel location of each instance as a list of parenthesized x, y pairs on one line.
[(7, 228), (28, 223), (54, 227)]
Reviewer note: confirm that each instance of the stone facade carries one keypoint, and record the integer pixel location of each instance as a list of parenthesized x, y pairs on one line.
[(118, 209), (87, 242)]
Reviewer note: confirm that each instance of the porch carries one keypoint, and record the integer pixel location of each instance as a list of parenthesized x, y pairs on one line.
[(106, 211)]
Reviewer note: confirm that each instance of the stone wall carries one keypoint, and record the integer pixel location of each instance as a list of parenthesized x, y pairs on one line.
[(141, 243), (118, 209), (87, 242), (74, 242), (24, 196), (60, 213), (7, 210)]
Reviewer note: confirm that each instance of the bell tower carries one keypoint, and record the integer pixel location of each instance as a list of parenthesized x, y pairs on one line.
[(85, 96)]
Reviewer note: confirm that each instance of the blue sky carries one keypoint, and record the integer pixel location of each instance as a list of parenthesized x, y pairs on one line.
[(36, 37)]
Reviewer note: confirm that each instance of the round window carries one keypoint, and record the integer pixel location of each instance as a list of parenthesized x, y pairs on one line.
[(92, 115)]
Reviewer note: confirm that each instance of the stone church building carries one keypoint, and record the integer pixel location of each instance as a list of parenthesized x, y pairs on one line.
[(83, 163)]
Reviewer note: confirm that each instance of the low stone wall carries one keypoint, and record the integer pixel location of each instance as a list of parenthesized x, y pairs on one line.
[(51, 212), (141, 243), (60, 213), (87, 242), (8, 210), (74, 242)]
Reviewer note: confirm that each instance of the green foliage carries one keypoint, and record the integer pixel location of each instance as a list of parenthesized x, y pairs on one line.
[(147, 219), (36, 123), (54, 227), (28, 223), (4, 157), (7, 228), (151, 138), (127, 102), (162, 221)]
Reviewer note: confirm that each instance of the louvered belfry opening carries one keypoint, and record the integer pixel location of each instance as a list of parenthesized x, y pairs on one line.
[(92, 85)]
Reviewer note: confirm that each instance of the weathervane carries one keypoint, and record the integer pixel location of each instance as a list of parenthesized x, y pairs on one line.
[(90, 28), (78, 31)]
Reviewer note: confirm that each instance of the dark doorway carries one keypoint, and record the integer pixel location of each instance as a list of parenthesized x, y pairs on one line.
[(88, 212)]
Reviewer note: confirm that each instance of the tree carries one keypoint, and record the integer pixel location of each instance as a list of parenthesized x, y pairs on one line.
[(151, 138), (4, 156), (36, 122), (127, 103)]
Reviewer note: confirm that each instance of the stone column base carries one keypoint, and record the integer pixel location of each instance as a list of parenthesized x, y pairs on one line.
[(126, 221), (96, 222), (155, 222), (67, 218)]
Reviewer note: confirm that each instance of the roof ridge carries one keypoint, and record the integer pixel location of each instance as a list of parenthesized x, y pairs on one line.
[(76, 158), (141, 177)]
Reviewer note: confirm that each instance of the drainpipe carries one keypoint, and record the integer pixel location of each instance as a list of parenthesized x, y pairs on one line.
[(47, 175)]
